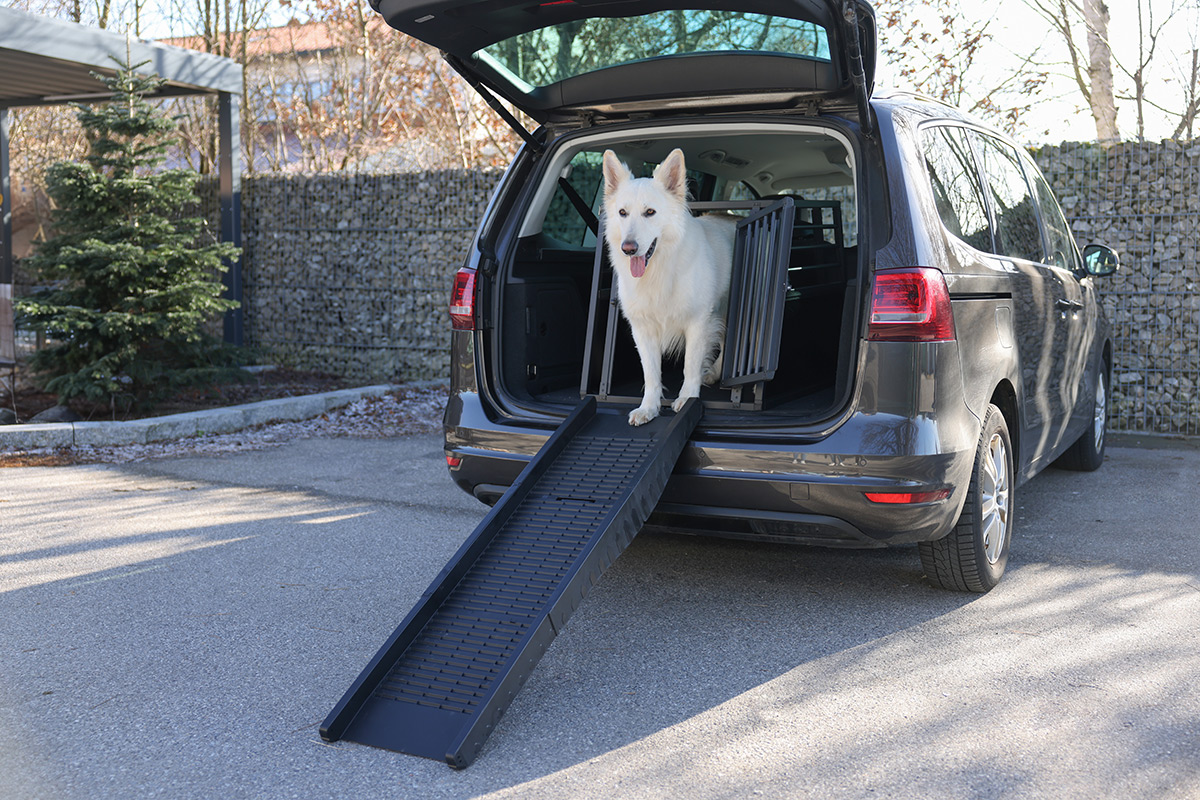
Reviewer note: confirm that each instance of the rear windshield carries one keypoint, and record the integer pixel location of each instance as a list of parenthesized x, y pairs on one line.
[(548, 55)]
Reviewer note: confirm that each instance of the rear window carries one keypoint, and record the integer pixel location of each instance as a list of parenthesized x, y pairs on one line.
[(552, 54), (585, 176), (565, 223)]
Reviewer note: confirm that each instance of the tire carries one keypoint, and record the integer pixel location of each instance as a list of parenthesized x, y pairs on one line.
[(1087, 454), (972, 557)]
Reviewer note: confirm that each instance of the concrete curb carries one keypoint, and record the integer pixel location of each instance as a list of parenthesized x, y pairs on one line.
[(179, 426)]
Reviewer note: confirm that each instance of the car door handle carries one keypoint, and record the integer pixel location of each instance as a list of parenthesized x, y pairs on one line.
[(1067, 307)]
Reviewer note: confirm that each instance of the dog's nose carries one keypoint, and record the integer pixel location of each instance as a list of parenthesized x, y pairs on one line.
[(629, 248)]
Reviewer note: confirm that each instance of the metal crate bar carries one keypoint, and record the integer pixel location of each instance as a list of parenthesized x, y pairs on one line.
[(757, 292)]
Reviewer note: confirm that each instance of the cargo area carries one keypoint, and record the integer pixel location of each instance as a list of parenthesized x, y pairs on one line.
[(554, 289)]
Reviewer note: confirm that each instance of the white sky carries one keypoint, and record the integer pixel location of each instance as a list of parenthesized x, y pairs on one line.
[(1062, 114)]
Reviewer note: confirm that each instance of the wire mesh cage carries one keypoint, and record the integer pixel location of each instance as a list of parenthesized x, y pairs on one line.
[(350, 274), (1143, 200)]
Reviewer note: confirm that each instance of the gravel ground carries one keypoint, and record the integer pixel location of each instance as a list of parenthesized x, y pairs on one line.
[(408, 410)]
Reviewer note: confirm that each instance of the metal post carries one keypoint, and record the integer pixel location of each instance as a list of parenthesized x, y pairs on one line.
[(8, 347), (6, 249), (230, 171)]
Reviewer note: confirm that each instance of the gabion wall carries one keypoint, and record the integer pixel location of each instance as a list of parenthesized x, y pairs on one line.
[(1143, 200), (351, 274)]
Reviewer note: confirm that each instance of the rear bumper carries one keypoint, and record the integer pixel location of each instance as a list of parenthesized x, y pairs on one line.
[(808, 493)]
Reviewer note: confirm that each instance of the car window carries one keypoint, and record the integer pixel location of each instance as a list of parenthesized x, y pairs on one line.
[(1061, 245), (563, 220), (841, 197), (585, 175), (1017, 231), (554, 53), (955, 181)]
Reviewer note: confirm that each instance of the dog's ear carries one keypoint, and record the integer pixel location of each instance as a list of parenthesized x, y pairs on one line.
[(615, 173), (672, 174)]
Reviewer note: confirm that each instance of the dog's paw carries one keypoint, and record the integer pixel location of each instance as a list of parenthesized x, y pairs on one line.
[(712, 377), (679, 401), (641, 415)]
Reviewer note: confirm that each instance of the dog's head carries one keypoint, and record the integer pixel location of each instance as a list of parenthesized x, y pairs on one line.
[(639, 213)]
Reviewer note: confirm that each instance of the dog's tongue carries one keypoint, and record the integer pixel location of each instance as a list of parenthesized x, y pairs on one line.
[(637, 265)]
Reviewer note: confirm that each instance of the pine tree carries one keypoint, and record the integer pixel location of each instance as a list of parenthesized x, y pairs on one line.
[(129, 286)]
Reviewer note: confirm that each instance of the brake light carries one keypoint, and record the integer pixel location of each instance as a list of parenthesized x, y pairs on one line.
[(910, 305), (462, 300), (907, 497)]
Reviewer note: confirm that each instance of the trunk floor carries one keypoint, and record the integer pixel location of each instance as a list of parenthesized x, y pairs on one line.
[(813, 402)]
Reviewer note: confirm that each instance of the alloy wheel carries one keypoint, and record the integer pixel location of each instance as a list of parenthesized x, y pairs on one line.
[(994, 491), (1100, 414)]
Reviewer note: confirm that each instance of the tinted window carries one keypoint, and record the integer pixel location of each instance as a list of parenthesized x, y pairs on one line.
[(1058, 234), (1017, 232), (546, 55), (563, 220), (956, 191)]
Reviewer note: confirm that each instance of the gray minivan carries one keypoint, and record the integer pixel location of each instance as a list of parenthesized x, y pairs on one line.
[(938, 341)]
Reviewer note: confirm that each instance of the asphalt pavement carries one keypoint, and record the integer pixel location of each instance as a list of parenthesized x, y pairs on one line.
[(179, 628)]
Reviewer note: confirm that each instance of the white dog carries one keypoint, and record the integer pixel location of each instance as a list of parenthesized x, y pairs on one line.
[(672, 275)]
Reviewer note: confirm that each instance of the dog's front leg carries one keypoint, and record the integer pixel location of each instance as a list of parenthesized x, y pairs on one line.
[(650, 351), (712, 375), (697, 341)]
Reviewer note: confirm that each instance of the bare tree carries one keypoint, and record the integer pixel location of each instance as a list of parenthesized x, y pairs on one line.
[(42, 136), (1150, 36), (1100, 76), (1090, 64), (1190, 78), (358, 94), (220, 27), (942, 52), (1105, 75), (338, 91)]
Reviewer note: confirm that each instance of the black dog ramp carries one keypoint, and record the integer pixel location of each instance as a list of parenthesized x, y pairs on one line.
[(437, 687)]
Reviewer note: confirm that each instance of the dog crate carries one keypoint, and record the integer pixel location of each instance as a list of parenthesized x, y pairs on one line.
[(784, 249)]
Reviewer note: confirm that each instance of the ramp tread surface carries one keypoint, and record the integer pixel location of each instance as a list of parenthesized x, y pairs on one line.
[(464, 652)]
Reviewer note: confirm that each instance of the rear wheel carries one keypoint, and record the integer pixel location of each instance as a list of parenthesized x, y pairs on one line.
[(972, 557), (1087, 454)]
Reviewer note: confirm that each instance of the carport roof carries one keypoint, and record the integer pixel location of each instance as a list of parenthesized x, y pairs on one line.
[(48, 61)]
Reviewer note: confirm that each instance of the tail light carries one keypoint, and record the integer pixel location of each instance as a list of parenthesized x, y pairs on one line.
[(910, 305), (462, 300)]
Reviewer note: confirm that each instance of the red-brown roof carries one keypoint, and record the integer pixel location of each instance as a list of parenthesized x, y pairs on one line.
[(295, 37)]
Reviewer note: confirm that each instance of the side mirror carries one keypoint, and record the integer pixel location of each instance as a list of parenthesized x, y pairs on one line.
[(1099, 260)]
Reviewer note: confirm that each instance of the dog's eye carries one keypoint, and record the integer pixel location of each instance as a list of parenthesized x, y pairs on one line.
[(649, 212), (623, 213)]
